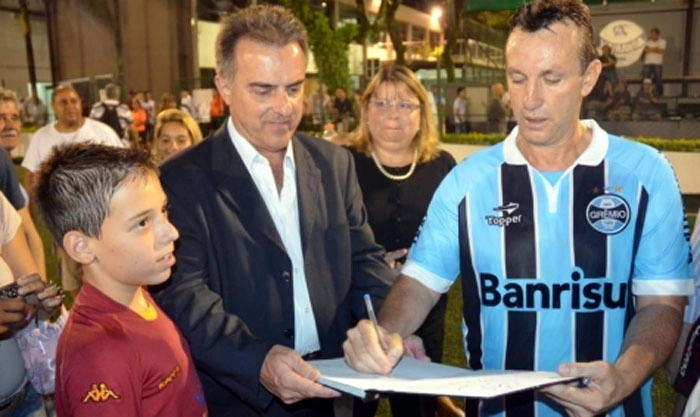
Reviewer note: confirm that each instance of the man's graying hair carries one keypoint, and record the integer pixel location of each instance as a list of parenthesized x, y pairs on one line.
[(543, 13), (75, 185), (272, 25), (9, 96), (112, 91)]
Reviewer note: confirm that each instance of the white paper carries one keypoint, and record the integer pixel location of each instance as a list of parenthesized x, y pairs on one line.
[(418, 377)]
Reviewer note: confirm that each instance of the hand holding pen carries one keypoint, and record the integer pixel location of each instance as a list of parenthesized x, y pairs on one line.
[(369, 348)]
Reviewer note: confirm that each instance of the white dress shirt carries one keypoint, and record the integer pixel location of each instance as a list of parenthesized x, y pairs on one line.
[(284, 210)]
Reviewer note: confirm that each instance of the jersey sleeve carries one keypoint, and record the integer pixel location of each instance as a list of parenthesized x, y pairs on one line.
[(662, 264), (433, 259), (9, 182)]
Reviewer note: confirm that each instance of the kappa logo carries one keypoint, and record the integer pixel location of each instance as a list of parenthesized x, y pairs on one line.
[(170, 378), (99, 393), (506, 218)]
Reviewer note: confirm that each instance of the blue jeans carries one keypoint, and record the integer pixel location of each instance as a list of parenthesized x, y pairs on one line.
[(654, 72), (32, 406)]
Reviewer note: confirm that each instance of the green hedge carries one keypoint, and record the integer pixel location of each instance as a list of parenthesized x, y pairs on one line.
[(674, 145)]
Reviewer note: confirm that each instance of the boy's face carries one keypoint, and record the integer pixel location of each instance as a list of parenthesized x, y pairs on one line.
[(137, 243)]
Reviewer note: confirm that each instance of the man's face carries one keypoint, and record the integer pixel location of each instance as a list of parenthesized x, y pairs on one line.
[(265, 93), (10, 129), (68, 108), (546, 83), (654, 35)]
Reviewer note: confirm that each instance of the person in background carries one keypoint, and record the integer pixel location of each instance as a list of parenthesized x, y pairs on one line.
[(33, 298), (175, 131), (320, 105), (495, 112), (653, 59), (17, 397), (118, 354), (275, 253), (150, 106), (140, 118), (646, 104), (396, 152), (217, 108), (167, 101), (34, 111), (619, 106), (70, 127), (550, 281), (683, 367), (10, 185), (188, 105), (595, 105), (459, 111), (115, 114), (609, 62), (510, 119), (341, 111)]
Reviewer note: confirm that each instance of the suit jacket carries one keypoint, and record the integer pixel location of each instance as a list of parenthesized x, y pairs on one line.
[(231, 289)]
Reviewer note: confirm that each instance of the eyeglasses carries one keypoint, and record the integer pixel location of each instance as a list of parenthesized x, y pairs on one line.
[(14, 118), (403, 107)]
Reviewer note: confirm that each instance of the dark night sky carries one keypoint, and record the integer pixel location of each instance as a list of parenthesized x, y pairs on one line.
[(424, 5)]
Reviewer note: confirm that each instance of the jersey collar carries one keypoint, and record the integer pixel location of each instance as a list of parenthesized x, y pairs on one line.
[(592, 156)]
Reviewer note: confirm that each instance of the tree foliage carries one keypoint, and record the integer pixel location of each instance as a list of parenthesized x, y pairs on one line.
[(330, 47), (386, 18)]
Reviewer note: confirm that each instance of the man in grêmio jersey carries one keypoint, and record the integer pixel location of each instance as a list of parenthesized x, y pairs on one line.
[(571, 243)]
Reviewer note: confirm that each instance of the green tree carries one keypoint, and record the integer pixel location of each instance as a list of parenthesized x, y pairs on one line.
[(386, 18), (453, 29), (330, 47)]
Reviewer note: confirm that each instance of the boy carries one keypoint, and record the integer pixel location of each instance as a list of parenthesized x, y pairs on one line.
[(119, 354)]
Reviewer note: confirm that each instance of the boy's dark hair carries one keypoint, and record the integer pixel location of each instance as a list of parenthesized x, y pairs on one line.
[(543, 13), (75, 185)]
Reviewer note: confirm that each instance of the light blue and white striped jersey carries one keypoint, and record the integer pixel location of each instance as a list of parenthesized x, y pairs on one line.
[(550, 262)]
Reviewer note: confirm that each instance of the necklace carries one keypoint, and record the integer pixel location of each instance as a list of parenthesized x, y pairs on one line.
[(396, 177)]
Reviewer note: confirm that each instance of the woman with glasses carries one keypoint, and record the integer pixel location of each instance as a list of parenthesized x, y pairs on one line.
[(399, 167)]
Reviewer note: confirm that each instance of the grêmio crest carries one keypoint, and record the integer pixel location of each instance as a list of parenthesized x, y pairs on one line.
[(608, 213)]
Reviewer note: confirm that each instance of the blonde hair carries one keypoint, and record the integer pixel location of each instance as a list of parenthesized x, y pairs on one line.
[(176, 116), (426, 140)]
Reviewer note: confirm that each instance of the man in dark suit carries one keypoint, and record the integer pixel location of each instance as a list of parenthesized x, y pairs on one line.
[(275, 252)]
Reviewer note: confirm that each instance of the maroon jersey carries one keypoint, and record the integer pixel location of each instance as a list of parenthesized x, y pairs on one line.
[(113, 362)]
